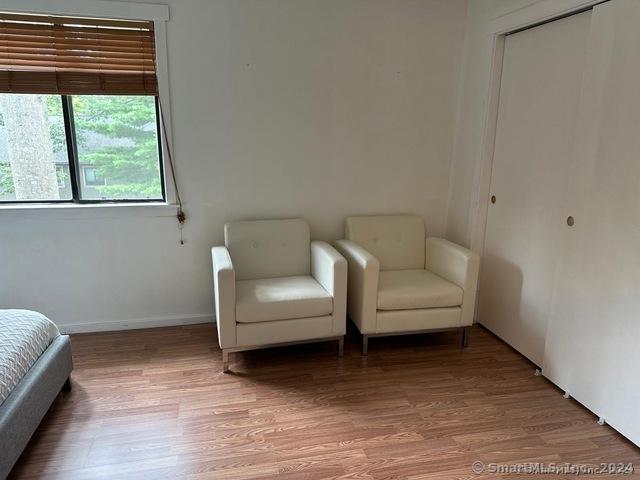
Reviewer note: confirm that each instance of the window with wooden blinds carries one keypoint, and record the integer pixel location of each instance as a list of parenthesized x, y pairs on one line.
[(65, 55)]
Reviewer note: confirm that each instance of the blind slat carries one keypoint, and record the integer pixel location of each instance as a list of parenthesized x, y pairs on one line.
[(34, 29), (48, 53), (25, 18), (64, 55), (103, 47), (75, 83)]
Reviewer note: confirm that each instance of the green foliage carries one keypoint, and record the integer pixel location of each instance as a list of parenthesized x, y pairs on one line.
[(130, 164), (56, 122)]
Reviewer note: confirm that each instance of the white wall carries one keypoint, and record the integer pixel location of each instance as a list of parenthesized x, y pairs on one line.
[(280, 108)]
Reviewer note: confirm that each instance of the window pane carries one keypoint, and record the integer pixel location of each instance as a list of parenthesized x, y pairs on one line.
[(34, 163), (92, 177), (117, 143)]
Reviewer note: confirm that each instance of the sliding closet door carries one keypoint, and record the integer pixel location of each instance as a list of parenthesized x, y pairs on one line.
[(593, 340), (539, 98)]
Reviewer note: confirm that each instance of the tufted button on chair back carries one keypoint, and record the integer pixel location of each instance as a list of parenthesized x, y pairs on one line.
[(269, 248), (397, 241)]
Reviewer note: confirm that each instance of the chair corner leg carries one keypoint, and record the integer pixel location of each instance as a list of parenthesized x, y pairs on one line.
[(466, 333), (341, 346), (225, 361), (365, 345)]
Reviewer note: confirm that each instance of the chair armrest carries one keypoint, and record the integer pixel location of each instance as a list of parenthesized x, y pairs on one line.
[(329, 268), (459, 265), (363, 272), (224, 285)]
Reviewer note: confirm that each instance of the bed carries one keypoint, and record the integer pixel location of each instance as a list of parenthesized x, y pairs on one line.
[(35, 364)]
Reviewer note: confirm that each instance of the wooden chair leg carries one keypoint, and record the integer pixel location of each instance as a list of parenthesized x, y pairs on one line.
[(365, 345), (341, 347)]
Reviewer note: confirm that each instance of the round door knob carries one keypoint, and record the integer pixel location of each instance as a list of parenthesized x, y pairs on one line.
[(493, 199), (570, 221)]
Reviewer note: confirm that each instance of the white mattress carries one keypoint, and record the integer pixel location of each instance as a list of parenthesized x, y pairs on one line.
[(24, 335)]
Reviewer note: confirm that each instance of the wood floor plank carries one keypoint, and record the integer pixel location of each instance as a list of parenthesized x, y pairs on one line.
[(153, 404)]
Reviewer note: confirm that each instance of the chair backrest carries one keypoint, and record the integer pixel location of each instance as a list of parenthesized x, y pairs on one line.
[(269, 248), (397, 241)]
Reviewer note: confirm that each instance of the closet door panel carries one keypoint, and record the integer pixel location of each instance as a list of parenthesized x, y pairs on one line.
[(539, 99), (593, 339)]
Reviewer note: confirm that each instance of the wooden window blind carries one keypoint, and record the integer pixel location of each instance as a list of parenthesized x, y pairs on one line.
[(65, 55)]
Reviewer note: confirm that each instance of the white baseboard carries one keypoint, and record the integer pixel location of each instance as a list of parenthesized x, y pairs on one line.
[(136, 323)]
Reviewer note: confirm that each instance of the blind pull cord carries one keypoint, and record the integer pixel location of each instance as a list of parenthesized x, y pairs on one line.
[(181, 216)]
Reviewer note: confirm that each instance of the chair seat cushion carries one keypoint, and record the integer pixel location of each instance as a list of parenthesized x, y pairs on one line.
[(284, 298), (410, 289)]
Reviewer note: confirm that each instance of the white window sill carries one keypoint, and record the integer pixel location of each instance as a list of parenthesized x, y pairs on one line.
[(88, 210)]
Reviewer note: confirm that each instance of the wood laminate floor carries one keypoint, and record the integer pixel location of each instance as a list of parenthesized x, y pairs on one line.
[(153, 404)]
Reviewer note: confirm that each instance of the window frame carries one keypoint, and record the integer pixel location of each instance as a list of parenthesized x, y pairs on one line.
[(74, 165), (131, 10)]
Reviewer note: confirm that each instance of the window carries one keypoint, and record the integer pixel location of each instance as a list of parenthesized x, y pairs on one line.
[(114, 147), (117, 146), (92, 177), (32, 144), (61, 176), (79, 113)]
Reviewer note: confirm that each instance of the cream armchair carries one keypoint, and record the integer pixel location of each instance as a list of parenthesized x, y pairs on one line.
[(400, 282), (273, 286)]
